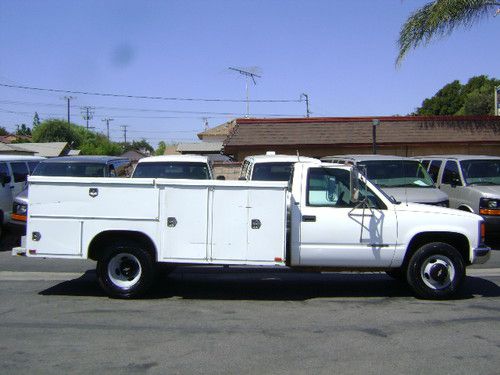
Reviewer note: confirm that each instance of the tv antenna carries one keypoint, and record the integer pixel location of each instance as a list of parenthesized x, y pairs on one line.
[(248, 73)]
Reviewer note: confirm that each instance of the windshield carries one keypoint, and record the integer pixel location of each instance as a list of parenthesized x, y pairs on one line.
[(70, 169), (481, 172), (176, 170), (397, 173), (272, 171)]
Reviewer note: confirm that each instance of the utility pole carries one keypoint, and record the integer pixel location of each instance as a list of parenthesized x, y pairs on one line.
[(107, 119), (308, 112), (87, 114), (375, 123), (68, 98), (124, 127), (205, 121), (497, 110)]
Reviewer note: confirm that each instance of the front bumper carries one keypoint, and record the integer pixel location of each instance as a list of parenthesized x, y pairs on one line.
[(481, 254)]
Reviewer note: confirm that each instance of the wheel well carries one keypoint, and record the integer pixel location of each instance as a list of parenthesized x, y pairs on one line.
[(457, 240), (106, 238), (465, 208)]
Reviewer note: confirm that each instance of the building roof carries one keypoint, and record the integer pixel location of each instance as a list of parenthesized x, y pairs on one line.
[(358, 131), (48, 149), (218, 131), (200, 147)]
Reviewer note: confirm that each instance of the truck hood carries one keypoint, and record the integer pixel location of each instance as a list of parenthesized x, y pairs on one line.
[(425, 208), (417, 195), (487, 191)]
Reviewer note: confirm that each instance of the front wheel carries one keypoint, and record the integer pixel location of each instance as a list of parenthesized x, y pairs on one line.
[(125, 270), (436, 271)]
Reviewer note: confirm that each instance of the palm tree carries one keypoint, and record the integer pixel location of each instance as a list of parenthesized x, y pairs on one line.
[(440, 18)]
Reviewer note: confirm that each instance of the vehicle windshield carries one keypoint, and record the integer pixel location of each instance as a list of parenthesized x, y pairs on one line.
[(481, 172), (397, 173), (279, 171), (70, 169), (175, 170)]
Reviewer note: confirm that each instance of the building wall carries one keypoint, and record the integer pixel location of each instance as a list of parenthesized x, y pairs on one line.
[(230, 170)]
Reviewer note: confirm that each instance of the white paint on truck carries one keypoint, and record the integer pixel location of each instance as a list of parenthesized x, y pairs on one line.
[(328, 218)]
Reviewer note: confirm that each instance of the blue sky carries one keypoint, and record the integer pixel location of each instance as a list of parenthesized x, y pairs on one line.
[(341, 53)]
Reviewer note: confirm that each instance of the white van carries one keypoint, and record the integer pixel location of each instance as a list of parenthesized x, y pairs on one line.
[(404, 179), (271, 167), (14, 170)]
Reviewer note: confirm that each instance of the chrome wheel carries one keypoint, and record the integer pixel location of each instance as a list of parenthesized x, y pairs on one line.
[(437, 272), (124, 270)]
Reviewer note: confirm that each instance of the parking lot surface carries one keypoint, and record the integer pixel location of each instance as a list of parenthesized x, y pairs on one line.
[(56, 319)]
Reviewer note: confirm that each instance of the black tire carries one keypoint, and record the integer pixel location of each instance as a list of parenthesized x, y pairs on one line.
[(126, 270), (436, 271), (396, 274)]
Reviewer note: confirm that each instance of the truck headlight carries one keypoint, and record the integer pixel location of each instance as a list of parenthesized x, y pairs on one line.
[(20, 209), (489, 206)]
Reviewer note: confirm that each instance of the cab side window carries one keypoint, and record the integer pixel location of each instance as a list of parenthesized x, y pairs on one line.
[(4, 174), (19, 170), (328, 187), (450, 173), (434, 169)]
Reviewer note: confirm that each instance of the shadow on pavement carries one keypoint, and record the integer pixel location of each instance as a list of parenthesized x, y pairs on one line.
[(272, 285)]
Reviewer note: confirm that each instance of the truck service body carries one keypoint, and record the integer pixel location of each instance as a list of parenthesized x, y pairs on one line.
[(327, 218)]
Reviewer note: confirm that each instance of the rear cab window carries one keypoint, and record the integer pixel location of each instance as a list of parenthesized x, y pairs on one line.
[(174, 170), (277, 171)]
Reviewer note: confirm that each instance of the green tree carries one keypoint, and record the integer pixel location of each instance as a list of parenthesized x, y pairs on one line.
[(36, 120), (55, 130), (141, 146), (3, 131), (439, 18), (161, 148), (23, 130), (476, 97)]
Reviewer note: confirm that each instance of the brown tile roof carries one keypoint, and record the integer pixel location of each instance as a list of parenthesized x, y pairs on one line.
[(358, 131), (220, 130)]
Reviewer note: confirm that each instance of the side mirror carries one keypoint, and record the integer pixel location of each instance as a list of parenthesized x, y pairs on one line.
[(220, 178), (455, 181), (354, 185)]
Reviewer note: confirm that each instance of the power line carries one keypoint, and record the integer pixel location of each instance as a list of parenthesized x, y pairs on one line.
[(153, 110), (150, 97)]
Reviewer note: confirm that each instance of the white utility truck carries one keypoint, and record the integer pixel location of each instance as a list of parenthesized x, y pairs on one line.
[(328, 218)]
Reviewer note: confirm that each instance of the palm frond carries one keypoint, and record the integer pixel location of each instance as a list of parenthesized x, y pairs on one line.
[(439, 18)]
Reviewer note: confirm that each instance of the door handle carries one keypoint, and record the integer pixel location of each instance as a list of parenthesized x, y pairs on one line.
[(308, 218)]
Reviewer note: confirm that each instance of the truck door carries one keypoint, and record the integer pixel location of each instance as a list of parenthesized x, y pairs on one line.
[(335, 233)]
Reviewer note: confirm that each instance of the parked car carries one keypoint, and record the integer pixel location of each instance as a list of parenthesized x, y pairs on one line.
[(270, 167), (14, 170), (195, 167), (70, 166), (473, 184), (405, 179)]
